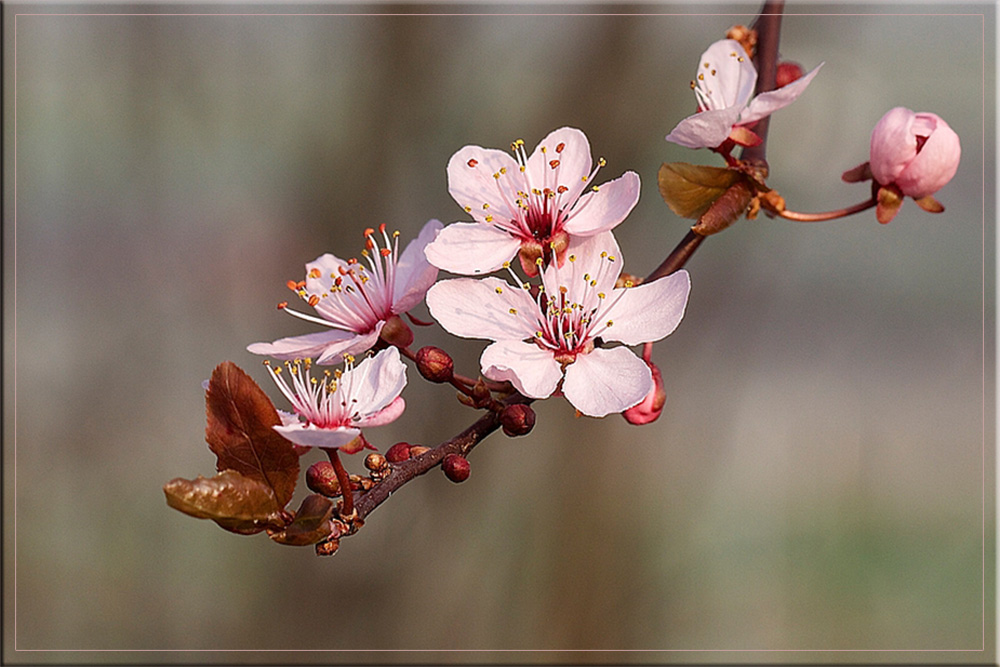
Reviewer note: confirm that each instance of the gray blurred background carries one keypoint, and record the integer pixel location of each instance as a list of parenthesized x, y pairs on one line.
[(817, 488)]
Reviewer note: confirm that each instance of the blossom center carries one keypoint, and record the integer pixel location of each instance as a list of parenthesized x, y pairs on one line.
[(324, 403), (355, 295)]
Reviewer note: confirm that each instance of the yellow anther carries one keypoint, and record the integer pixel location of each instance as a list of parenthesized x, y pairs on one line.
[(468, 209), (610, 322), (538, 261), (602, 162), (505, 265), (503, 170), (701, 77), (601, 295), (485, 206), (572, 258), (499, 290), (513, 311), (489, 218), (629, 283), (595, 188)]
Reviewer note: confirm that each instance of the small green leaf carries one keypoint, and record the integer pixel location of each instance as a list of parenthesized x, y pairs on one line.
[(690, 189), (312, 523), (236, 502)]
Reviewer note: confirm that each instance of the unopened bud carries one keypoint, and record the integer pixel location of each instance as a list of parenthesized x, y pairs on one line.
[(456, 468), (321, 478), (650, 408), (375, 462), (396, 332), (435, 364), (517, 419), (788, 72), (398, 453)]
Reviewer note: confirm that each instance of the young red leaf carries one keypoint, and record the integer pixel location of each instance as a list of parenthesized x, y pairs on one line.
[(235, 502), (690, 189), (312, 523), (240, 433)]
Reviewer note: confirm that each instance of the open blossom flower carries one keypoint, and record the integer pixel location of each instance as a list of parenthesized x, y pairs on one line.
[(724, 85), (528, 206), (548, 339), (357, 301), (331, 410)]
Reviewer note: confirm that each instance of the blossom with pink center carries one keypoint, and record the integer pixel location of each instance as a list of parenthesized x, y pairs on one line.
[(356, 299), (918, 152), (545, 340), (331, 410), (723, 85), (528, 206)]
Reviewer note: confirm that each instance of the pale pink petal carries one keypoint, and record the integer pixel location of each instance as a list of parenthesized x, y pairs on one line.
[(603, 210), (334, 354), (315, 345), (767, 103), (533, 371), (414, 274), (647, 312), (375, 382), (606, 381), (469, 248), (936, 163), (319, 273), (386, 415), (309, 435), (725, 75), (707, 129), (471, 182), (893, 144), (561, 158), (489, 308)]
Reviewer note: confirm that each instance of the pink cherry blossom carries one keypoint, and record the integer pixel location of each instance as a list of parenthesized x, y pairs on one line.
[(648, 410), (331, 410), (528, 206), (917, 152), (723, 85), (356, 299), (545, 341)]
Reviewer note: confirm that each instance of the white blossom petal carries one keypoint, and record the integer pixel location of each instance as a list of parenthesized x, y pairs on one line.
[(603, 210), (309, 435), (561, 158), (414, 274), (648, 312), (706, 129), (470, 247), (726, 76), (375, 382), (471, 182), (386, 415), (325, 344), (606, 381), (489, 308), (533, 371), (767, 103)]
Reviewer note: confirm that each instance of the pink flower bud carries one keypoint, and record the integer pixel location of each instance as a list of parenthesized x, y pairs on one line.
[(918, 152), (398, 453), (517, 419), (321, 478), (788, 71), (456, 468), (435, 364), (650, 408)]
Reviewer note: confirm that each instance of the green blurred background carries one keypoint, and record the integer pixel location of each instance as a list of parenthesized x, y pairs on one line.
[(818, 488)]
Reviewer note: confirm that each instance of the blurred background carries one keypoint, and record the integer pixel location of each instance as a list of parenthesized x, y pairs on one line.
[(818, 488)]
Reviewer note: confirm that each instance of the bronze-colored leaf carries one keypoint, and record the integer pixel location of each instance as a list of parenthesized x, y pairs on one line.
[(312, 523), (690, 189), (240, 433), (236, 502), (889, 201), (930, 204), (725, 210)]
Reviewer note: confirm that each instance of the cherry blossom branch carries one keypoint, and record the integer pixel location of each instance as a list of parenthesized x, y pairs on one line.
[(461, 444), (768, 27)]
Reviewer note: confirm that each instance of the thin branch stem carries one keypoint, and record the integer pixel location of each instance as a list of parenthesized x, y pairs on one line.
[(344, 479), (828, 215)]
